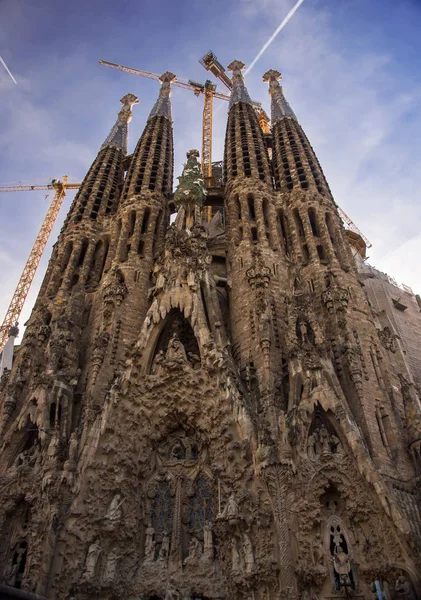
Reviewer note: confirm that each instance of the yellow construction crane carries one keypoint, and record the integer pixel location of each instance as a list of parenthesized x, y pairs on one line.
[(212, 64), (25, 281), (208, 89), (355, 236)]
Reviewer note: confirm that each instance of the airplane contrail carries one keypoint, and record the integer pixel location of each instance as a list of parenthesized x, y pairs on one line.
[(7, 69), (273, 36)]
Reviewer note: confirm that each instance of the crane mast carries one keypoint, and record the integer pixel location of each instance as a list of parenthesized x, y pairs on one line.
[(208, 89), (28, 273)]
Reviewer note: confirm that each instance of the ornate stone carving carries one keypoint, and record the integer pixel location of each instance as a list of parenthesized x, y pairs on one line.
[(388, 339), (91, 560)]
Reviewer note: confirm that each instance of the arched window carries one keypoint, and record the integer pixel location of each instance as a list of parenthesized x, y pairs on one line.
[(162, 507), (201, 507)]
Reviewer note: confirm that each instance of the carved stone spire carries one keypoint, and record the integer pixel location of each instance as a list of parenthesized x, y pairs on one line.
[(280, 107), (117, 137), (162, 107), (239, 91), (190, 192)]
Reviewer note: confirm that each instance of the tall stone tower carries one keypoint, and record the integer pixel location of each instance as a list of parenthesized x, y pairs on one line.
[(208, 409)]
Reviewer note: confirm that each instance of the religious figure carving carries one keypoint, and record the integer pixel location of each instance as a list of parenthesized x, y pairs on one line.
[(403, 587), (235, 557), (248, 553), (113, 514), (111, 566), (324, 439), (312, 442), (150, 544), (164, 551), (195, 552), (94, 551), (317, 550), (335, 445), (231, 510), (73, 447), (208, 541), (176, 352)]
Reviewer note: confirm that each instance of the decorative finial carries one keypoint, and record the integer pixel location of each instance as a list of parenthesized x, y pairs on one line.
[(192, 153), (125, 114), (118, 134), (239, 91), (162, 107), (280, 107), (236, 66), (167, 77)]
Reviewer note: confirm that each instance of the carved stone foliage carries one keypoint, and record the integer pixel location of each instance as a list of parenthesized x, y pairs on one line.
[(388, 339), (113, 293), (336, 298)]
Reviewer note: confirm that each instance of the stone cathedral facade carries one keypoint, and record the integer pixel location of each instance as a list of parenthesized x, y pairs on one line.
[(208, 408)]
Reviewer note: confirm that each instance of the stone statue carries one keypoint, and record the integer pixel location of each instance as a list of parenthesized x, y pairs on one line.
[(113, 514), (158, 362), (303, 332), (248, 553), (175, 351), (150, 544), (341, 563), (317, 548), (235, 557), (207, 541), (91, 560), (335, 443), (110, 566), (73, 446), (231, 510), (165, 547), (403, 587), (324, 439), (195, 552), (311, 446)]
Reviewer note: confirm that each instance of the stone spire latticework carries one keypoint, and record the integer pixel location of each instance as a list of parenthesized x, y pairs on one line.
[(279, 105), (239, 91), (162, 107), (245, 148), (152, 163), (118, 135)]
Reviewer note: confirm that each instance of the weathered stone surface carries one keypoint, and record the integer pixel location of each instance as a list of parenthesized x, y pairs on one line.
[(212, 408)]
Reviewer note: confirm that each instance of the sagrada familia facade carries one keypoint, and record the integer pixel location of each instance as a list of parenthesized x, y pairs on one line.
[(208, 408)]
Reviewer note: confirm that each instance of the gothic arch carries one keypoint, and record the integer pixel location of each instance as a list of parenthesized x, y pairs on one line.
[(178, 328), (323, 437)]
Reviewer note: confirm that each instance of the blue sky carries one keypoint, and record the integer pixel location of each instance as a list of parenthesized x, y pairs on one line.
[(351, 71)]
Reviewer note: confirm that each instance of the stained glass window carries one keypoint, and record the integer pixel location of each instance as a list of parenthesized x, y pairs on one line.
[(162, 508), (201, 504)]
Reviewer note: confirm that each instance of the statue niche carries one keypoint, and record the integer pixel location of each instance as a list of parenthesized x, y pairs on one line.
[(177, 345), (322, 440), (339, 549)]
